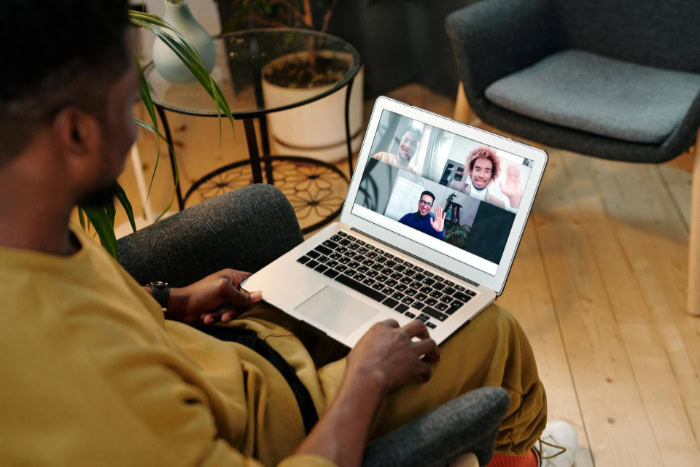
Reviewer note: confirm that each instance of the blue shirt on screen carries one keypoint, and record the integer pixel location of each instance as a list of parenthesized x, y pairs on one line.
[(421, 223)]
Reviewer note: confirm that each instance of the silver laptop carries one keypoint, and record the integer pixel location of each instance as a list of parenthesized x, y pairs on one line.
[(429, 229)]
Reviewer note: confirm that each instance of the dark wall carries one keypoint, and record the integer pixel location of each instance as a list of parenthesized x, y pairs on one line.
[(400, 41)]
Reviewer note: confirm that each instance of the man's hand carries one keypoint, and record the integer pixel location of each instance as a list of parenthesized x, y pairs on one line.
[(214, 298), (439, 222), (386, 358), (390, 356), (512, 186)]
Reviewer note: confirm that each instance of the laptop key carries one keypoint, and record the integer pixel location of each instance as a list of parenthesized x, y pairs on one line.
[(391, 282), (454, 306), (369, 281), (399, 268), (449, 291), (350, 254), (433, 313), (402, 287), (401, 308), (341, 268), (341, 249), (332, 264), (429, 281), (321, 268), (406, 280), (382, 278), (441, 306), (431, 325), (387, 271), (359, 287), (411, 292), (372, 255), (421, 296), (362, 250), (372, 274), (312, 264), (322, 259), (397, 295), (418, 305), (303, 259), (390, 302), (360, 277), (331, 273), (336, 255), (381, 259), (431, 301), (378, 286), (409, 273), (423, 317), (345, 242), (410, 315), (335, 238), (361, 242), (439, 286), (460, 288), (390, 264), (396, 276), (350, 273), (342, 234), (322, 249), (344, 260), (436, 294), (377, 266), (419, 277), (362, 269), (398, 260), (438, 278), (428, 274), (313, 254), (449, 283), (407, 300), (446, 299), (426, 289), (370, 247), (462, 297), (471, 292)]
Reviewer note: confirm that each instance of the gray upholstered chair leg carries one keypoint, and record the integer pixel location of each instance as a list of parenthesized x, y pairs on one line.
[(245, 229), (468, 423)]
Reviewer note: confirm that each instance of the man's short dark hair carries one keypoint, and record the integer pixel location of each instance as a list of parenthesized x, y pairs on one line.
[(56, 53), (426, 192)]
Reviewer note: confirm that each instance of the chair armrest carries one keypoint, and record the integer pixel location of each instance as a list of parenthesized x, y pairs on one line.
[(494, 38), (245, 229), (468, 423)]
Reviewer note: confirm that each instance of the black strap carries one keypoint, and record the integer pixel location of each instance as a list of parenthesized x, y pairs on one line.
[(251, 340)]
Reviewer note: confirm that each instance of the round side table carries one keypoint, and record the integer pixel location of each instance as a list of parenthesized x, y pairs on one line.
[(241, 59)]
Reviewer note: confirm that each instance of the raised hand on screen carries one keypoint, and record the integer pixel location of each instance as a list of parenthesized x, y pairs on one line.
[(512, 186), (439, 222)]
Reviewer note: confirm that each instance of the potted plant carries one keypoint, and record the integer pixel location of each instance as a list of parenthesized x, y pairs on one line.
[(102, 219), (317, 129)]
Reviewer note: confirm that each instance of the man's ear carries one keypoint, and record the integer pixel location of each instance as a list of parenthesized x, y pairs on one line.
[(77, 133)]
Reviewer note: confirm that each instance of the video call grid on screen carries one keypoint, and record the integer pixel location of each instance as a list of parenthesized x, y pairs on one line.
[(417, 171)]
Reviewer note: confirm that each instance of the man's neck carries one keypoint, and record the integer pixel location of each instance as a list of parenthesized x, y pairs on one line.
[(34, 210)]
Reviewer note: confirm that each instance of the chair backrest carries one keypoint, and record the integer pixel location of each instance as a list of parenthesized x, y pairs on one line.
[(661, 33)]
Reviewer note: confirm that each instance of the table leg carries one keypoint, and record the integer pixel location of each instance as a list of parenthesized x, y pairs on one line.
[(173, 162), (253, 150), (348, 136), (266, 149)]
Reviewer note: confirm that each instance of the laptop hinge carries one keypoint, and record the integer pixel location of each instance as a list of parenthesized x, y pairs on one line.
[(414, 256)]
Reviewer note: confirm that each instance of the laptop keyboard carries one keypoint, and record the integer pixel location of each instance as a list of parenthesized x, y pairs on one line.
[(402, 286)]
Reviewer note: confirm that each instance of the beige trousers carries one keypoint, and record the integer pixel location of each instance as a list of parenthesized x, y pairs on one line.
[(492, 350)]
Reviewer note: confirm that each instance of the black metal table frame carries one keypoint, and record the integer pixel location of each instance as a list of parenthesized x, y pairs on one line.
[(252, 142)]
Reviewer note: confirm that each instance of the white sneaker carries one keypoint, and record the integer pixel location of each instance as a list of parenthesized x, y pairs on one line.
[(557, 445)]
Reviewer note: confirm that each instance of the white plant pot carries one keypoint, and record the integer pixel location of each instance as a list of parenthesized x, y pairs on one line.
[(316, 129)]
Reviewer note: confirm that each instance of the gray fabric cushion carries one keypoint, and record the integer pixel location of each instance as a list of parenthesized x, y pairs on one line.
[(244, 229), (468, 423), (603, 96)]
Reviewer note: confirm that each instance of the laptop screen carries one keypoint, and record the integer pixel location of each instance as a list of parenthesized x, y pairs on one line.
[(453, 194)]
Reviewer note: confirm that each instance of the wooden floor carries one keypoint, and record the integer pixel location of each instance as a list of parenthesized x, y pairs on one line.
[(598, 284)]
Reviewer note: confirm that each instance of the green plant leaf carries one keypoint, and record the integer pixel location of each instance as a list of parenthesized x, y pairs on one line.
[(126, 204), (81, 217), (145, 94), (187, 54), (103, 222)]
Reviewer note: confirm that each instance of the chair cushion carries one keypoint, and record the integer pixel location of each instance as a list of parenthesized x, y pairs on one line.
[(600, 95)]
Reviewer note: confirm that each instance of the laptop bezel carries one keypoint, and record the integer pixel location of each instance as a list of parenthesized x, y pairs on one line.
[(414, 246)]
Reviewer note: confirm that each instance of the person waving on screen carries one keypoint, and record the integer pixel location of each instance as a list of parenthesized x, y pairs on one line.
[(421, 220)]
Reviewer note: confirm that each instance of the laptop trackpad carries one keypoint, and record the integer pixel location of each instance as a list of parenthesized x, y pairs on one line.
[(336, 310)]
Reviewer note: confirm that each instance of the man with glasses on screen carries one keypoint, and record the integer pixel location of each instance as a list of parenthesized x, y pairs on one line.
[(421, 220)]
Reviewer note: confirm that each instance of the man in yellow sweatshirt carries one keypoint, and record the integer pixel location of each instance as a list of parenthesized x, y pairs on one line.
[(93, 373)]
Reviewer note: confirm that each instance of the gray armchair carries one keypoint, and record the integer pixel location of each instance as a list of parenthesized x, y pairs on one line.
[(616, 79), (246, 230)]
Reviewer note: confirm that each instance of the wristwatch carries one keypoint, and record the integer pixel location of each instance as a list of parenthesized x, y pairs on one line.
[(161, 292)]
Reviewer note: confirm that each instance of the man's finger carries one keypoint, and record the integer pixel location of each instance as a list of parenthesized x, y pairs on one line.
[(416, 328), (242, 299), (392, 323), (425, 372), (429, 349)]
